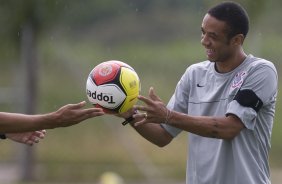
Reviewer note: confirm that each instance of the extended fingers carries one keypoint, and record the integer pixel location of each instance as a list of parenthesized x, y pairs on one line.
[(89, 112), (152, 95), (145, 100), (92, 112), (83, 114), (77, 106), (152, 100)]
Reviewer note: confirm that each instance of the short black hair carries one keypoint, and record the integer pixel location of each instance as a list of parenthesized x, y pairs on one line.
[(234, 15)]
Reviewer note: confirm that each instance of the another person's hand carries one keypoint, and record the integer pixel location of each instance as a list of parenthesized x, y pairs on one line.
[(72, 114), (28, 138)]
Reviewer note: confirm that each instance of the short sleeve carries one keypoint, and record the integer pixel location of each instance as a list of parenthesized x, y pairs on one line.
[(179, 101), (262, 80)]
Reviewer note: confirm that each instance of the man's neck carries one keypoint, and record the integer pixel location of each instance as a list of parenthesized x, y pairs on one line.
[(231, 64)]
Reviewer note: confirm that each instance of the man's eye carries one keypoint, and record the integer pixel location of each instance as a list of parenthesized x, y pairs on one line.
[(213, 37)]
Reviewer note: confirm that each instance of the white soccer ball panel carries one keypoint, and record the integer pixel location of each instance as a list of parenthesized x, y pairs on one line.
[(108, 95)]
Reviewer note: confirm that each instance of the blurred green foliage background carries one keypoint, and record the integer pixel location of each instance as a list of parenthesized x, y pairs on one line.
[(159, 39)]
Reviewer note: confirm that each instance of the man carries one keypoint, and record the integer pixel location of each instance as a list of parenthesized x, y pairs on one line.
[(226, 104), (28, 129)]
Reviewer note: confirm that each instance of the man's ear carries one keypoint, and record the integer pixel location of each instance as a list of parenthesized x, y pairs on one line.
[(238, 39)]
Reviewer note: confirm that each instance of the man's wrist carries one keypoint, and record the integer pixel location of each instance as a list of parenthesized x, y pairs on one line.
[(129, 119)]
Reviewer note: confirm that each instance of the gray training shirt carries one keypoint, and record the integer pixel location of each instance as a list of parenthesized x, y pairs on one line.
[(204, 92)]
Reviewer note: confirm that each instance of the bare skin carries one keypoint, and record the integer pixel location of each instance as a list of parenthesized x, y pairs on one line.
[(29, 129), (28, 138)]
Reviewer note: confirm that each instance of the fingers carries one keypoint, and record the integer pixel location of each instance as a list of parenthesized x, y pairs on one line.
[(35, 137), (74, 113), (77, 106), (92, 109), (142, 116), (30, 138), (92, 112), (29, 142), (145, 100), (139, 123), (141, 108), (152, 95), (83, 114), (40, 134), (154, 109)]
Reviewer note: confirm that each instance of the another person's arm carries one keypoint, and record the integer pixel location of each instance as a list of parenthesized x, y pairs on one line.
[(65, 116)]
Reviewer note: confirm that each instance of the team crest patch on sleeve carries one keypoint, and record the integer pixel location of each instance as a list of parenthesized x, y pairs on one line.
[(238, 79)]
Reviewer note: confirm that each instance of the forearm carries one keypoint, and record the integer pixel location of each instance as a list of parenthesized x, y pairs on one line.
[(65, 116), (213, 127), (154, 133), (15, 122)]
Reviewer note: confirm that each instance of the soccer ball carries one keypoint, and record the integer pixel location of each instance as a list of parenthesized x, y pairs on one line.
[(114, 86)]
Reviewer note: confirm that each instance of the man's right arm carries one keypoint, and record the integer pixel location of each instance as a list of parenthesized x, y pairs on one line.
[(154, 133)]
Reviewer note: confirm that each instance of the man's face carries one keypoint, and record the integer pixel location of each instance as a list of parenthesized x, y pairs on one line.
[(214, 39)]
